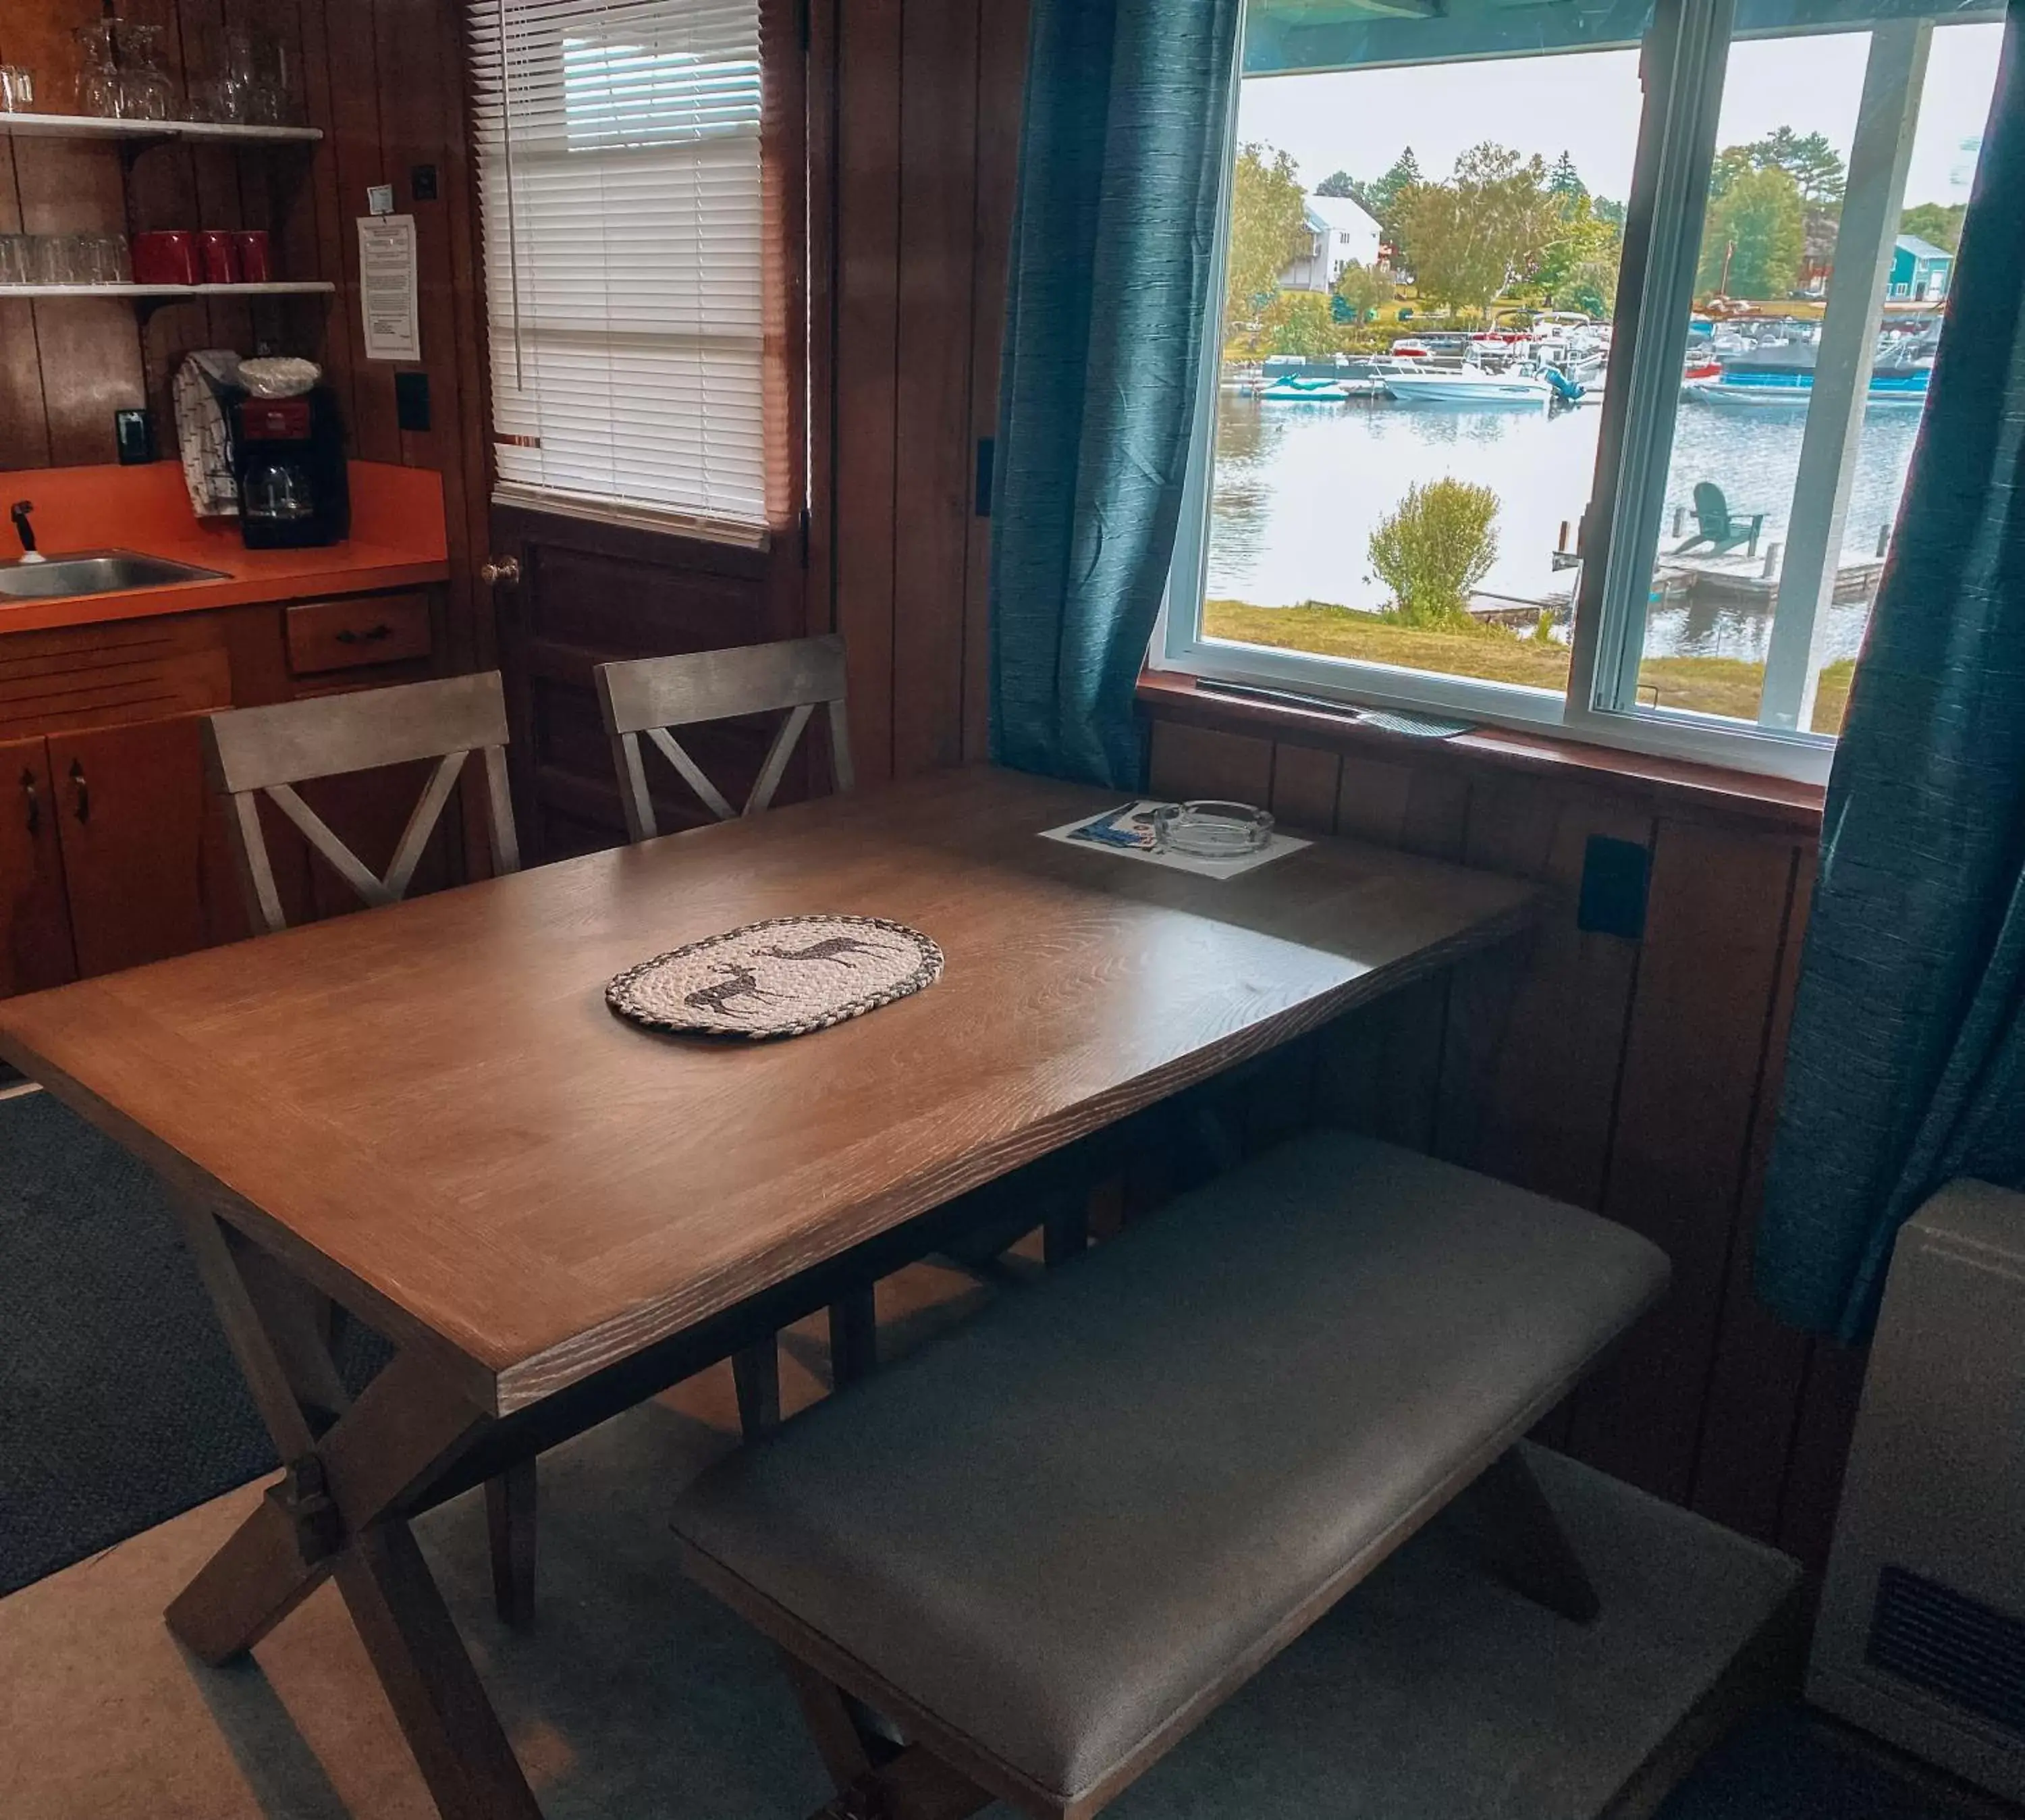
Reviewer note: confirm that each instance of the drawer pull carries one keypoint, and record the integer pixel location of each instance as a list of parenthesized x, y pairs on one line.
[(34, 801), (82, 787), (372, 635)]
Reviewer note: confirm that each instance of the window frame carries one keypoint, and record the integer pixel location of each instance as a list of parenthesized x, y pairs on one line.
[(1684, 65)]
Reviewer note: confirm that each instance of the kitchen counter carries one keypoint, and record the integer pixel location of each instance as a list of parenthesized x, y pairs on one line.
[(398, 540)]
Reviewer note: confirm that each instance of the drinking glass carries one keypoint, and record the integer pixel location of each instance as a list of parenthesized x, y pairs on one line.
[(17, 88), (16, 263), (54, 259), (145, 90)]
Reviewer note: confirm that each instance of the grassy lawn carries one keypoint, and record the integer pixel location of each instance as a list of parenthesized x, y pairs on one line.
[(1725, 686)]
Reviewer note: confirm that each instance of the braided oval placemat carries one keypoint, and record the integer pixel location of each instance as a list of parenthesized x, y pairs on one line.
[(784, 977)]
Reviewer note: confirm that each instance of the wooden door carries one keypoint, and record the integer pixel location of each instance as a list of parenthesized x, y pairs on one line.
[(144, 878), (587, 594), (35, 948), (576, 591)]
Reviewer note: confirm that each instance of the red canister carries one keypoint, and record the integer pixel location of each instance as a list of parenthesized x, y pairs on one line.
[(165, 258), (220, 256), (255, 263)]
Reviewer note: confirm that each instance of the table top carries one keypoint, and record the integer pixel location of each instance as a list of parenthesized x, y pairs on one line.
[(429, 1112)]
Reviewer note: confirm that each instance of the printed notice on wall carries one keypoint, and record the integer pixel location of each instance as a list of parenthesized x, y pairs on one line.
[(386, 287)]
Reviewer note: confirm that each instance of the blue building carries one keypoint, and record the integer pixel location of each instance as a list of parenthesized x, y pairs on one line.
[(1919, 271)]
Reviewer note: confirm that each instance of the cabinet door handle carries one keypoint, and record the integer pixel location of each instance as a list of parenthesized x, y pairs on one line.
[(81, 787), (34, 801), (372, 635)]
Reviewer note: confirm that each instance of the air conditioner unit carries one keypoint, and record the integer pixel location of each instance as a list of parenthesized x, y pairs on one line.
[(1921, 1636)]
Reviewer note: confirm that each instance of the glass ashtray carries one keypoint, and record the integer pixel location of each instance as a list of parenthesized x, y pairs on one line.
[(1212, 830)]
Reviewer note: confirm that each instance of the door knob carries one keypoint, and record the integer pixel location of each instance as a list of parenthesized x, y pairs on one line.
[(506, 568)]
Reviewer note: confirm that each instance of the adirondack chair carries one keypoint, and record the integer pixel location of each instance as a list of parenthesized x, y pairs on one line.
[(1715, 526)]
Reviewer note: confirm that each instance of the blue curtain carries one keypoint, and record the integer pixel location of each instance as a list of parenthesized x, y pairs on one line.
[(1113, 246), (1907, 1061)]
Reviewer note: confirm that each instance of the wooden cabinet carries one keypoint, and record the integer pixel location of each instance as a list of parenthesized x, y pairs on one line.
[(35, 948), (112, 851), (354, 634), (130, 816)]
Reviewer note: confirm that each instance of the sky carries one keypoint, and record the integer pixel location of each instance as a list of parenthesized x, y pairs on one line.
[(1587, 103)]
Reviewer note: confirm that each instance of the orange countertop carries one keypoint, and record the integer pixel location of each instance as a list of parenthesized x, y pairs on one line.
[(397, 541)]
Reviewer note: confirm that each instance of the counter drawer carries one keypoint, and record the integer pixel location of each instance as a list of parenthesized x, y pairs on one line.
[(350, 634)]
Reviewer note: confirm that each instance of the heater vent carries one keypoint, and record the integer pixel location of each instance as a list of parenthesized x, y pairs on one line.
[(1970, 1654)]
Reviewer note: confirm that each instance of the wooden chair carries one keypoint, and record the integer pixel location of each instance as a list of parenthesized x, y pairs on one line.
[(1716, 525), (255, 750), (252, 751), (653, 695)]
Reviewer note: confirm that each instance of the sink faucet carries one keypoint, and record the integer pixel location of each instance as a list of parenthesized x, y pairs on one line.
[(25, 530)]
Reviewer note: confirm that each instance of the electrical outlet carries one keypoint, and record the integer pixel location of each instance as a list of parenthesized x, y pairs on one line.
[(422, 183), (1615, 878), (411, 400)]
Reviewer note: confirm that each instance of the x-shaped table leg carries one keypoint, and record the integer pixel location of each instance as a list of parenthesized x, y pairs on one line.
[(340, 1509)]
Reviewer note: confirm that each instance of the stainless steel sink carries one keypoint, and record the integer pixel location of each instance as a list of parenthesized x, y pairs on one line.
[(94, 571)]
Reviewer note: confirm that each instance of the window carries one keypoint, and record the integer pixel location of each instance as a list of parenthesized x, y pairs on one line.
[(621, 188), (1609, 431)]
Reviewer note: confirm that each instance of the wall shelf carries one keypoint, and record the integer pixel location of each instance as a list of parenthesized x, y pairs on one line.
[(300, 288), (91, 126)]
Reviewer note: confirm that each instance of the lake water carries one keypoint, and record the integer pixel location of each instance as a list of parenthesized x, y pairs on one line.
[(1300, 487)]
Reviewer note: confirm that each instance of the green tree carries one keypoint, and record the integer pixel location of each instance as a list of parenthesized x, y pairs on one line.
[(1268, 230), (1753, 236), (1939, 223), (1564, 181), (1383, 198), (1815, 167), (1301, 322), (1578, 270), (1488, 228), (1433, 548), (1604, 210), (1338, 183), (1363, 289)]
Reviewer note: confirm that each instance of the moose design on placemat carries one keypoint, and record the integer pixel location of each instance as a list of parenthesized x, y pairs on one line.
[(830, 948)]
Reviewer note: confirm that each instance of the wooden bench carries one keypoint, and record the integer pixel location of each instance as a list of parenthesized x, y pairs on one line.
[(1046, 1547)]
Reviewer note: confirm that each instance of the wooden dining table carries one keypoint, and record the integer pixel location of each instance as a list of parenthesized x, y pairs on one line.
[(426, 1114)]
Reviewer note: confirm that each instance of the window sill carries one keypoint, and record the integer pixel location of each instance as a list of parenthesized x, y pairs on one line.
[(1679, 785)]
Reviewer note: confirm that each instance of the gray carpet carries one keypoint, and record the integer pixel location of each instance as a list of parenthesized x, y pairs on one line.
[(119, 1404)]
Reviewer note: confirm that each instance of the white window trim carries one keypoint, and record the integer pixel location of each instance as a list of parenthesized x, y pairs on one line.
[(1677, 144)]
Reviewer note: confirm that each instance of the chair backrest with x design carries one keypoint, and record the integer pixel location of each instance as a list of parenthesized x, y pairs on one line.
[(652, 695), (252, 750)]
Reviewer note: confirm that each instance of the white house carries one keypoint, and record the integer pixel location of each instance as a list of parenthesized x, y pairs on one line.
[(1343, 232)]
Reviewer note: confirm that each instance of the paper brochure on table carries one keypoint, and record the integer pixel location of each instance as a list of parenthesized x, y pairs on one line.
[(1127, 831)]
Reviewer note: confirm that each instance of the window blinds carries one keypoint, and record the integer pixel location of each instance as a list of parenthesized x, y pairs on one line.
[(618, 148)]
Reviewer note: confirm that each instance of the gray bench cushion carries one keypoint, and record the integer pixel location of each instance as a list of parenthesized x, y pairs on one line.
[(1053, 1529)]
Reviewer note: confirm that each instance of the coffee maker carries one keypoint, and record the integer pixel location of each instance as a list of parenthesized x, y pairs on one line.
[(288, 455)]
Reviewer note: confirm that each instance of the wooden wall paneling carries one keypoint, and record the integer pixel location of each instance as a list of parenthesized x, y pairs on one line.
[(1753, 1406), (1305, 781), (162, 193), (1001, 72), (1537, 1031), (312, 220), (933, 467), (869, 79), (1701, 1009), (358, 161), (89, 347), (1193, 762), (1372, 798), (824, 129), (24, 424)]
